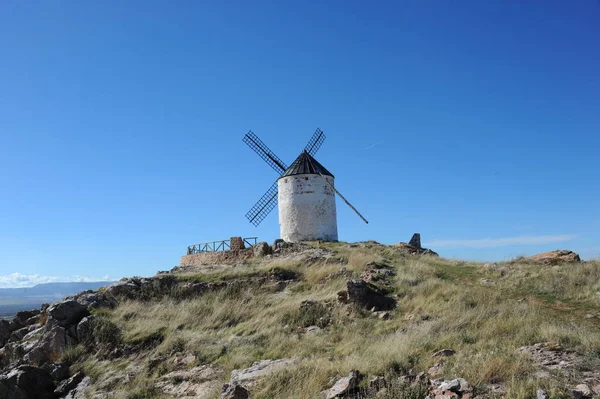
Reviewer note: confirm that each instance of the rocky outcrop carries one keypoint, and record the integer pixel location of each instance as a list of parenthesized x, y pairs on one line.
[(556, 257), (364, 294), (94, 299), (24, 382)]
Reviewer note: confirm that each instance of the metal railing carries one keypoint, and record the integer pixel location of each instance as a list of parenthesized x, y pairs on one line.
[(218, 246)]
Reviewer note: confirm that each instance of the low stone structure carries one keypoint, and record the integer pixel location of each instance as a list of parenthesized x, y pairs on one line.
[(237, 251)]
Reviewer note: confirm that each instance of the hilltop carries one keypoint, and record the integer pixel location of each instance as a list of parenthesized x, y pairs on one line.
[(315, 320)]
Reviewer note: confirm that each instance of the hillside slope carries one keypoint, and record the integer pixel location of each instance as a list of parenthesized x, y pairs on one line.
[(305, 318)]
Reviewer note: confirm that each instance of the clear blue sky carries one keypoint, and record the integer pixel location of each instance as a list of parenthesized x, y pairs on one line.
[(475, 123)]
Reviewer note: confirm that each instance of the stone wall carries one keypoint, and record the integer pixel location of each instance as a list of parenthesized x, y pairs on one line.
[(215, 258)]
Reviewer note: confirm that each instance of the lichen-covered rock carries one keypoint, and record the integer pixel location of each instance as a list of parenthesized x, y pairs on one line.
[(25, 382), (556, 257)]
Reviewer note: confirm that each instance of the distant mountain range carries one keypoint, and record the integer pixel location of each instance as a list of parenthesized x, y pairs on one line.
[(13, 300)]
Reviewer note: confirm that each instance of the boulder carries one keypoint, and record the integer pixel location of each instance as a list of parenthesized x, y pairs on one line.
[(124, 289), (258, 370), (52, 343), (262, 249), (367, 295), (85, 330), (65, 314), (21, 318), (58, 371), (556, 257), (234, 391), (343, 386), (24, 382), (69, 384)]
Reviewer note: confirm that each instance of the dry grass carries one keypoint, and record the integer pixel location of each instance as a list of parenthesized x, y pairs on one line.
[(441, 304)]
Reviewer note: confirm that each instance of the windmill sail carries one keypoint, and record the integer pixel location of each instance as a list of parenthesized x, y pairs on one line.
[(264, 206), (264, 152)]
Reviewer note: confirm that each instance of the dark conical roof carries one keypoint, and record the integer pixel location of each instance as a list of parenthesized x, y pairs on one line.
[(305, 164)]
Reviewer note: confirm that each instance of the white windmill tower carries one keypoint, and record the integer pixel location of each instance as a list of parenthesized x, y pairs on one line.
[(305, 192)]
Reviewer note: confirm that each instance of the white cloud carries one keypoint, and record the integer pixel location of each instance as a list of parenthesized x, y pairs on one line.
[(18, 280), (499, 242)]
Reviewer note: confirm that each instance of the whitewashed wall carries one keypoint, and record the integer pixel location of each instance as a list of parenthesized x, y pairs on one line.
[(307, 208)]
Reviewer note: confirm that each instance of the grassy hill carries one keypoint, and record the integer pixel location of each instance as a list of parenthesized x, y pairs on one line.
[(486, 314)]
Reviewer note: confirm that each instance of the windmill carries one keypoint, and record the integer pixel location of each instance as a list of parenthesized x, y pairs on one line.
[(305, 193)]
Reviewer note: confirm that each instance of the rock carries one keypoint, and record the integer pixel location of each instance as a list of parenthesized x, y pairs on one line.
[(436, 370), (18, 335), (4, 332), (415, 241), (58, 371), (234, 392), (95, 300), (279, 244), (65, 314), (259, 370), (85, 330), (444, 353), (556, 257), (377, 383), (20, 320), (367, 295), (200, 382), (53, 343), (377, 274), (262, 249), (582, 391), (79, 391), (69, 384), (383, 315), (312, 330), (552, 356), (24, 382), (343, 386), (541, 394), (124, 289)]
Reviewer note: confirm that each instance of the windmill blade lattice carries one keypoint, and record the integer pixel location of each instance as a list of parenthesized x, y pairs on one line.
[(264, 206), (264, 152), (315, 142)]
